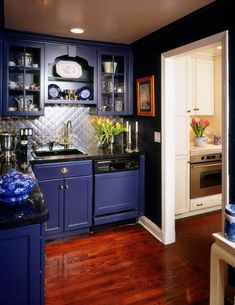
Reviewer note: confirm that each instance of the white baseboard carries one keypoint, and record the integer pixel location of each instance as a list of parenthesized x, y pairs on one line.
[(151, 227)]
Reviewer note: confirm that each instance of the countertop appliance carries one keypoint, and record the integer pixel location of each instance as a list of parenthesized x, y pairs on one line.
[(205, 175), (116, 189), (7, 141)]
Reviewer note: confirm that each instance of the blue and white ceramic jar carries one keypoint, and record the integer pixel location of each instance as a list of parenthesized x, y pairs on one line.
[(15, 187), (229, 224)]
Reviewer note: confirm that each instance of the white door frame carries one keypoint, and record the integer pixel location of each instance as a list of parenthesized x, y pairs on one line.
[(168, 132)]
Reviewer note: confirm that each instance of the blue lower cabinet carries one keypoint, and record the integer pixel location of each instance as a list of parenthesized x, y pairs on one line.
[(78, 203), (67, 190), (116, 196), (22, 265), (54, 198)]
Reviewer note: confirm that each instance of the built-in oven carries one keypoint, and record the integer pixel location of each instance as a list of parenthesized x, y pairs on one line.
[(205, 175)]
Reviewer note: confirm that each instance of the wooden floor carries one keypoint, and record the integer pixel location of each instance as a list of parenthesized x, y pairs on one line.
[(128, 266)]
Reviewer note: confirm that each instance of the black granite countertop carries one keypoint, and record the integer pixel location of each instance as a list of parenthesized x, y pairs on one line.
[(90, 154), (28, 212)]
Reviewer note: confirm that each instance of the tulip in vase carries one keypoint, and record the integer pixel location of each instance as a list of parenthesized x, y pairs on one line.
[(198, 127)]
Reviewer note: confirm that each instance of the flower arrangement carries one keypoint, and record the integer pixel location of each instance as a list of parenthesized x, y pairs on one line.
[(199, 126), (105, 128)]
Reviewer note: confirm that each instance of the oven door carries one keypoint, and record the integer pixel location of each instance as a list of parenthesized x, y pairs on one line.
[(205, 179)]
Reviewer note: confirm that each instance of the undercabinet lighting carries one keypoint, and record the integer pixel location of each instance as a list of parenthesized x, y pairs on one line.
[(77, 30)]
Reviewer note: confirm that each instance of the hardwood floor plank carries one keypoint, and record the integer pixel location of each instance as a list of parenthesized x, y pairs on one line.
[(124, 266)]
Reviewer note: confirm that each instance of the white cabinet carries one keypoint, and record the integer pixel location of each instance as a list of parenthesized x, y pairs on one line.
[(181, 184), (200, 84), (180, 101)]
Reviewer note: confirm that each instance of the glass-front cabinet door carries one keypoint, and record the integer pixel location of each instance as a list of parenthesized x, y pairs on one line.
[(23, 79), (114, 84)]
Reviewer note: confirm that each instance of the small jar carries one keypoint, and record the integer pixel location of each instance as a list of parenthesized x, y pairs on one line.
[(229, 222)]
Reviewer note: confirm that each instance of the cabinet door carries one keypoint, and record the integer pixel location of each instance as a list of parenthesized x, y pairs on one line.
[(20, 257), (204, 93), (53, 191), (116, 192), (182, 183), (71, 74), (181, 106), (78, 202), (23, 84), (1, 88), (114, 83)]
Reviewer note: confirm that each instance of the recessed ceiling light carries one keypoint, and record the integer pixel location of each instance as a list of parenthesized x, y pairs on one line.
[(219, 47), (77, 30)]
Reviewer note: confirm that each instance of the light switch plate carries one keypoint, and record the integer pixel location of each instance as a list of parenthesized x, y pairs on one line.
[(157, 137)]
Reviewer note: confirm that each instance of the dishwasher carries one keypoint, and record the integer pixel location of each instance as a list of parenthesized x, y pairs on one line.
[(116, 189)]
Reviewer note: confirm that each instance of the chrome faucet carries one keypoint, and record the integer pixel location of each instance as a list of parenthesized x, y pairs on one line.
[(67, 134)]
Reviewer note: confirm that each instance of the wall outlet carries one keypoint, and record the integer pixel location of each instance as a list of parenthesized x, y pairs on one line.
[(157, 137)]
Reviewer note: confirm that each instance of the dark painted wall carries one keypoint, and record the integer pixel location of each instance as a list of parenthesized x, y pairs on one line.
[(210, 20)]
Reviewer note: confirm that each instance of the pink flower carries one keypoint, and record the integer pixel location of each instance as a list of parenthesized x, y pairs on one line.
[(202, 122), (199, 126)]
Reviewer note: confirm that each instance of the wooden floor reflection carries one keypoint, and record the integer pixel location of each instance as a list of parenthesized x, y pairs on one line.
[(128, 266)]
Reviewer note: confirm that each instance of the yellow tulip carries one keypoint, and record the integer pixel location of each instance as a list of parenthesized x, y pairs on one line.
[(118, 125)]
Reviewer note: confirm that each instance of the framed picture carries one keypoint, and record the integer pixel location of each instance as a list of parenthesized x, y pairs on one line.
[(145, 96)]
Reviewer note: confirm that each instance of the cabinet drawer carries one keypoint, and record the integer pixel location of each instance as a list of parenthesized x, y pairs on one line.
[(206, 202), (63, 169)]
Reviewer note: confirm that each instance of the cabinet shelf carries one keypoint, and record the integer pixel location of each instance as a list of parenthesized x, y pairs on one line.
[(22, 69), (70, 102), (75, 80), (15, 91)]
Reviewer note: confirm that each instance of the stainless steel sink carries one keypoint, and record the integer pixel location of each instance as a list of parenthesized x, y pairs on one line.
[(57, 153)]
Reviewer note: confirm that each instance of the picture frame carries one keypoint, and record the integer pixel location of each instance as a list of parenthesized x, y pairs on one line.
[(145, 96)]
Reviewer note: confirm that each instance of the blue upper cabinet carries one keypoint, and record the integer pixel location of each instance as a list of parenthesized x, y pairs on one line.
[(71, 74), (1, 45), (23, 78), (115, 82)]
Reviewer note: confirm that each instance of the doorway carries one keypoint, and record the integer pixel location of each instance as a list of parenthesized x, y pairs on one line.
[(168, 129)]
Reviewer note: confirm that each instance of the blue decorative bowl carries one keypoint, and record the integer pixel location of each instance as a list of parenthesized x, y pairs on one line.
[(229, 223), (15, 187)]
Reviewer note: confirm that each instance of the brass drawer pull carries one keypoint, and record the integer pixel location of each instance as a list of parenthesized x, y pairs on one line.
[(64, 170)]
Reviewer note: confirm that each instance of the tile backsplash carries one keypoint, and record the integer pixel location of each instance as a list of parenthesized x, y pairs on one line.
[(50, 126)]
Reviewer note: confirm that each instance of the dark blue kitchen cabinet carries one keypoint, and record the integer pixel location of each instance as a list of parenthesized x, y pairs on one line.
[(115, 82), (23, 78), (54, 197), (115, 192), (1, 52), (67, 189), (119, 189), (22, 265), (71, 74)]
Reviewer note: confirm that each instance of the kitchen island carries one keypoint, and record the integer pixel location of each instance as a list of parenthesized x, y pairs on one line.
[(22, 247)]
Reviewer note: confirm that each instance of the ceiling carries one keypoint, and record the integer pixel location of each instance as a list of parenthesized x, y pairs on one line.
[(120, 21)]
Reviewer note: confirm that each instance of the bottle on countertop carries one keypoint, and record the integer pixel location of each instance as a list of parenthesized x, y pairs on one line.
[(22, 149)]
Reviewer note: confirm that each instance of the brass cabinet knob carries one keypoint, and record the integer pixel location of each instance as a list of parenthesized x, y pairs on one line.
[(61, 186), (64, 170), (66, 186)]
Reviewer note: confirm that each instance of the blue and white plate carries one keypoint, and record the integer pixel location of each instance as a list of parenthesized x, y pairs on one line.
[(54, 92), (84, 93)]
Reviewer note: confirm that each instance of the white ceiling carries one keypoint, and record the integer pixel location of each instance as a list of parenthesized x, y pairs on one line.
[(120, 21)]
